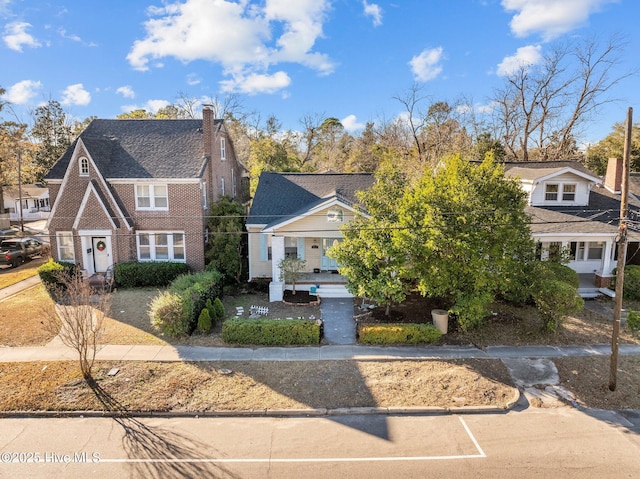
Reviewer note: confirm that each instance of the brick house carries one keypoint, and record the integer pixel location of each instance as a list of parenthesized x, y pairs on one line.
[(129, 190)]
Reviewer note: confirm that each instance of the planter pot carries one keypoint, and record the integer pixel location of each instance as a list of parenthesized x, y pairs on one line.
[(440, 319)]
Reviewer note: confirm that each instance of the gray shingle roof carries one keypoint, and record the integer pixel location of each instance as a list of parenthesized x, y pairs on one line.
[(141, 149), (529, 170), (281, 195)]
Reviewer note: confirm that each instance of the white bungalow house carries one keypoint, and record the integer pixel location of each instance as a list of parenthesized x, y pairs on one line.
[(301, 214), (30, 200)]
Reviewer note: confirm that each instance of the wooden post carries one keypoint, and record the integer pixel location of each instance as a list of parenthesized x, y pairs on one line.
[(622, 253)]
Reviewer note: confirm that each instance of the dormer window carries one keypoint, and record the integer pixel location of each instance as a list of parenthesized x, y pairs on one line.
[(223, 149), (564, 192), (84, 166), (335, 215)]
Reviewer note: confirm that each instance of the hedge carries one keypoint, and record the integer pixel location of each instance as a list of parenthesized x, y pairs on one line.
[(155, 273), (271, 332), (50, 273), (196, 289), (400, 333)]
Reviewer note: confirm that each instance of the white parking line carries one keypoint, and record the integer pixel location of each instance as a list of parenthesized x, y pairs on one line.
[(479, 455)]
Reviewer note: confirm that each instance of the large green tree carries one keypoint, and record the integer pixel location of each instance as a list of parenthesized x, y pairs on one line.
[(466, 235), (224, 251), (52, 133), (612, 146), (368, 256)]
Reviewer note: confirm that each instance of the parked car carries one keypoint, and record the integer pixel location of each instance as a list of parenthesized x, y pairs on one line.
[(16, 251), (8, 233)]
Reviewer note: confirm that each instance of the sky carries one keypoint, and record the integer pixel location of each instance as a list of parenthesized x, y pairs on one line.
[(346, 59)]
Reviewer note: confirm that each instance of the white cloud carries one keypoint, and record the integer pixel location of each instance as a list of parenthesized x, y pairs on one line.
[(193, 79), (350, 123), (76, 95), (22, 92), (550, 18), (238, 35), (150, 106), (524, 57), (374, 11), (126, 91), (69, 36), (16, 36), (256, 83), (426, 66)]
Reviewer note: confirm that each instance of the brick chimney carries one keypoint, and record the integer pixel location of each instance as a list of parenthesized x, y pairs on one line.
[(613, 178), (207, 128)]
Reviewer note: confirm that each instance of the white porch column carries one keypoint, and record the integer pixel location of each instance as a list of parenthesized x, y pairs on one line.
[(607, 255), (276, 287)]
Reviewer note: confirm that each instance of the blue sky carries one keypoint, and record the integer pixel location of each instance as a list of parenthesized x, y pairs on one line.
[(290, 58)]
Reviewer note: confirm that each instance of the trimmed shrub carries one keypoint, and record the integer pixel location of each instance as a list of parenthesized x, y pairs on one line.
[(155, 273), (556, 299), (167, 313), (633, 321), (51, 272), (204, 321), (400, 333), (631, 282), (218, 311), (271, 332)]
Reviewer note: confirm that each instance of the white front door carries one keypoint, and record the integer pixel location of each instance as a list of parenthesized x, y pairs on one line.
[(100, 254)]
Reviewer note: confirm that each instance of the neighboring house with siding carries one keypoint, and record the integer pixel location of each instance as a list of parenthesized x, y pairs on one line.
[(572, 208), (129, 190), (32, 199)]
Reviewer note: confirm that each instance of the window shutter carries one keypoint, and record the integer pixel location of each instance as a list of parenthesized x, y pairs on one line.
[(264, 254), (301, 248)]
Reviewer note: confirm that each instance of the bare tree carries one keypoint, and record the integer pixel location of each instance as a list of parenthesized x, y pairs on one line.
[(79, 317), (540, 109)]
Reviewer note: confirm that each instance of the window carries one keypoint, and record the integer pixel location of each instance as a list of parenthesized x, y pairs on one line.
[(161, 246), (222, 186), (203, 187), (569, 192), (233, 182), (65, 247), (151, 197), (587, 251), (223, 149), (551, 192), (335, 215), (84, 166)]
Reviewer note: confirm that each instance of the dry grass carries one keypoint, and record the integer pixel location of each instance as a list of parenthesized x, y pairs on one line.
[(9, 276), (193, 387), (22, 317)]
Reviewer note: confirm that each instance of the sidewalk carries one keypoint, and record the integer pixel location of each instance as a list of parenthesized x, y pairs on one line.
[(314, 353)]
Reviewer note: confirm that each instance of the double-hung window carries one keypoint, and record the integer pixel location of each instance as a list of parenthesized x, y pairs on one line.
[(223, 149), (65, 247), (161, 246), (152, 197), (569, 192), (551, 192)]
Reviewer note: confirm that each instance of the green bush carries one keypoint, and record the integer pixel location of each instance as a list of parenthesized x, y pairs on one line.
[(556, 299), (139, 274), (50, 273), (218, 311), (204, 321), (196, 289), (401, 333), (271, 332), (167, 313), (631, 282), (561, 272), (633, 321)]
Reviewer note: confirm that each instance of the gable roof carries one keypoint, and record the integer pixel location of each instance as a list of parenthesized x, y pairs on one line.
[(533, 170), (281, 196), (140, 149)]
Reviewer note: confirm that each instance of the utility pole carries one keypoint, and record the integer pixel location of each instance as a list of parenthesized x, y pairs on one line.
[(622, 252), (20, 189)]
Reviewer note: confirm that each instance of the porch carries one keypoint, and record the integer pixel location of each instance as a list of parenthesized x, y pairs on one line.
[(325, 284), (587, 287)]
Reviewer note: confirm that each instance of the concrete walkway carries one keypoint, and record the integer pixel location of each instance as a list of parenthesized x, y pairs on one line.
[(337, 315), (55, 352)]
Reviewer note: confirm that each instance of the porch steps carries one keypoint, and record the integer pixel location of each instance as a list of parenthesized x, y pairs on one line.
[(325, 290)]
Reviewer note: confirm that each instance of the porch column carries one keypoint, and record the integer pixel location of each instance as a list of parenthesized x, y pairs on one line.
[(606, 260), (276, 287)]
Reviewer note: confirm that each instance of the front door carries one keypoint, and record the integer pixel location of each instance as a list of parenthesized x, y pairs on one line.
[(100, 254), (326, 263)]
